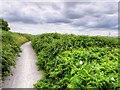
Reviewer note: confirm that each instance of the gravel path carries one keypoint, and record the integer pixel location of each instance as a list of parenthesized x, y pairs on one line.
[(25, 74)]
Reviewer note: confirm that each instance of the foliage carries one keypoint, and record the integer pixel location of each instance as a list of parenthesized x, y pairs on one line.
[(71, 61), (4, 25), (10, 47)]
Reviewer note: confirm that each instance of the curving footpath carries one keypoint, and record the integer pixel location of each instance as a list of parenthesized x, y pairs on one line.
[(25, 74)]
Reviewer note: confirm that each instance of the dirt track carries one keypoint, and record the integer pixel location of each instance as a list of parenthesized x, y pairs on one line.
[(25, 74)]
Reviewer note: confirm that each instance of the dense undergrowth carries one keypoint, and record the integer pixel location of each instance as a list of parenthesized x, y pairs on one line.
[(71, 61), (11, 43)]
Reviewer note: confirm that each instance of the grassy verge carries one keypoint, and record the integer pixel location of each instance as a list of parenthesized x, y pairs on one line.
[(11, 43)]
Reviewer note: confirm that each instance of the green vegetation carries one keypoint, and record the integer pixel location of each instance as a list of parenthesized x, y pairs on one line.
[(4, 25), (82, 62), (69, 61), (11, 43)]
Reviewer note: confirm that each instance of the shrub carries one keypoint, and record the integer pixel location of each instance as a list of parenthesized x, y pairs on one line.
[(4, 25), (61, 57)]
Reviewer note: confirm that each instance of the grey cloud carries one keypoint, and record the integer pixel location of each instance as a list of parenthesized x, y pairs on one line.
[(58, 20), (104, 22), (74, 4), (85, 14), (37, 13), (16, 17), (95, 15), (70, 4), (89, 8), (80, 22), (71, 10), (71, 14)]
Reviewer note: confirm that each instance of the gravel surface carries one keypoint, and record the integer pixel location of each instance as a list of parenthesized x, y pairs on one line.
[(25, 74)]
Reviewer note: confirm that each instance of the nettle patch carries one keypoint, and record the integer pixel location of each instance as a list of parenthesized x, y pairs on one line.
[(83, 68), (77, 61)]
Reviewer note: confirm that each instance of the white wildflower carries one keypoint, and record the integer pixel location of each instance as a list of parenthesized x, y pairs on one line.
[(112, 79), (81, 62)]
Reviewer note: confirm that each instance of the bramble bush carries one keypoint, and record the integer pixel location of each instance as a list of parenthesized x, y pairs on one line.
[(71, 61)]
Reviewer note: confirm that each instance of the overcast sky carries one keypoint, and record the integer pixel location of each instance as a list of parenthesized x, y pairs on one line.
[(89, 18)]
